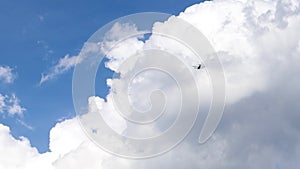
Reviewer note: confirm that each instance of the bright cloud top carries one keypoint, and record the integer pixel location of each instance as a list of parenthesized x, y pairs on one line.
[(259, 46)]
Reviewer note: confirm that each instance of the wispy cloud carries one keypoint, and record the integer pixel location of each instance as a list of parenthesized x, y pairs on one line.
[(11, 105), (23, 123), (64, 64), (2, 103), (15, 108), (45, 46), (68, 62), (41, 18), (6, 74)]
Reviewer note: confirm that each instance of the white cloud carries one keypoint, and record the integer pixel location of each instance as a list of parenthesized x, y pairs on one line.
[(16, 151), (258, 44), (123, 50), (68, 62), (6, 74), (2, 103), (15, 107), (10, 104), (118, 31), (69, 148), (64, 64)]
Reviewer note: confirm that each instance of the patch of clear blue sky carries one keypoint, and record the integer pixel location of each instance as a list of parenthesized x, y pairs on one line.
[(36, 33)]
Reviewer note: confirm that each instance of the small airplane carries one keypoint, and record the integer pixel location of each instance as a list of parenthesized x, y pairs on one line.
[(198, 66)]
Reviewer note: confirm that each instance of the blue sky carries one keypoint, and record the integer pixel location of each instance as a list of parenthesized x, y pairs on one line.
[(36, 34)]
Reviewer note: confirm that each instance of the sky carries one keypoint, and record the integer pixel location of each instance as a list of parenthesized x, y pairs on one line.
[(257, 43)]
